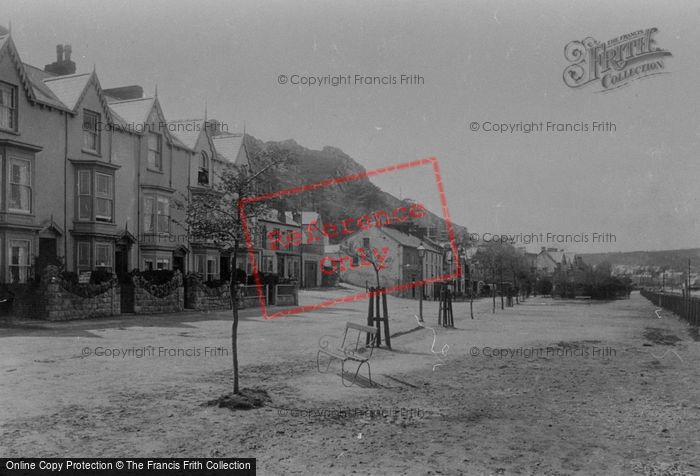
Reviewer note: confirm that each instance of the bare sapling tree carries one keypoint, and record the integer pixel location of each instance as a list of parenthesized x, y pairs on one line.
[(214, 216)]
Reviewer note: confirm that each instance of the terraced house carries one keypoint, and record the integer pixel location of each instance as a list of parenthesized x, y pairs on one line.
[(89, 175), (214, 148)]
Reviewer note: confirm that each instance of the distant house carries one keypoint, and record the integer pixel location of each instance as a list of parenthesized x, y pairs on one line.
[(547, 261), (551, 260), (397, 253), (280, 254), (567, 271), (312, 250)]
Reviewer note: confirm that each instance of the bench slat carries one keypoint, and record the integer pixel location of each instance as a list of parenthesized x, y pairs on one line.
[(340, 355), (361, 328), (336, 353)]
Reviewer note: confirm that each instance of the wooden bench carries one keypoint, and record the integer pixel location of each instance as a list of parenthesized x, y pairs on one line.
[(357, 350)]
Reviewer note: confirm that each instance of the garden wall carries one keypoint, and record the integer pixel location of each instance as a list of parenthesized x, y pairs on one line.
[(54, 299), (204, 298), (155, 299)]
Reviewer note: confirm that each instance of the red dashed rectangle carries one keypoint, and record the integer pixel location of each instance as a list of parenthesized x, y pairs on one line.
[(293, 239)]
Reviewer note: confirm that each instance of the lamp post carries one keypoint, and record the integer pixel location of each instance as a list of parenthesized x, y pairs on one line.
[(421, 255)]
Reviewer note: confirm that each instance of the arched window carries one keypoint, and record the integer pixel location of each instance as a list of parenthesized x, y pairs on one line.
[(203, 174)]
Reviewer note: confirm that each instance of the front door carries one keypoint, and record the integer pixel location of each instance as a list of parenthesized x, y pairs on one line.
[(121, 262), (280, 266), (47, 254), (224, 268), (179, 264), (121, 268), (310, 272)]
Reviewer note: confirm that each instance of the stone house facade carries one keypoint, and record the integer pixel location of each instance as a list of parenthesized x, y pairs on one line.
[(89, 176)]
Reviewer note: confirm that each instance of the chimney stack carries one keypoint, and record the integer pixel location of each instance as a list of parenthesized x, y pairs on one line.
[(125, 92), (63, 64), (214, 127)]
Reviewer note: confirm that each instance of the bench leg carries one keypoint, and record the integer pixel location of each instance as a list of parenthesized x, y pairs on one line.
[(318, 362), (354, 379), (342, 375)]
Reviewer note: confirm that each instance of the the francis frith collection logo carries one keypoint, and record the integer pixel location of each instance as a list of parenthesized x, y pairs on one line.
[(614, 63)]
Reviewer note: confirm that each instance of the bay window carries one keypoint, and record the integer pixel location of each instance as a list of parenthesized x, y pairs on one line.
[(20, 199), (84, 195), (155, 261), (91, 254), (103, 255), (19, 265), (156, 214), (207, 266), (199, 264), (212, 268), (84, 261), (95, 196), (163, 214), (103, 197)]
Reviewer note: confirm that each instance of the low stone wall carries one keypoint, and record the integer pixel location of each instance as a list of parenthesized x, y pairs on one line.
[(151, 299), (50, 300), (28, 303), (61, 305), (203, 298), (147, 303)]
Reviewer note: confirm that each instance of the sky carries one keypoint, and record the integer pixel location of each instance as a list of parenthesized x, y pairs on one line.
[(480, 61)]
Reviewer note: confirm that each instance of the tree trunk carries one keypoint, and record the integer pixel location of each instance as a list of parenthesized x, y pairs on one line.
[(234, 325), (493, 290), (471, 293)]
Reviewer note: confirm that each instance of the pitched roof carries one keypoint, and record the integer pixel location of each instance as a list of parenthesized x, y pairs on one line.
[(410, 241), (309, 218), (187, 130), (68, 89), (556, 255), (228, 146), (133, 111), (7, 46), (41, 91), (570, 257)]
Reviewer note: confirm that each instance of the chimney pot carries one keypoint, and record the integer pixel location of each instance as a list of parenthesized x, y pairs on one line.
[(67, 50), (59, 53)]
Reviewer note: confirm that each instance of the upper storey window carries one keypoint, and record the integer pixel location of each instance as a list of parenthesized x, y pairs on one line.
[(91, 131), (8, 107), (155, 151)]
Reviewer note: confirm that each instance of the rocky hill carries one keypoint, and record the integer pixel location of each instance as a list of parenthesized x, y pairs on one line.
[(301, 166)]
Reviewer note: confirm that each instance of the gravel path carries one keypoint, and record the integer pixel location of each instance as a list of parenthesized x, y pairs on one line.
[(546, 387)]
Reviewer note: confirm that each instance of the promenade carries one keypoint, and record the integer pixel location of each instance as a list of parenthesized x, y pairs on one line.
[(563, 387)]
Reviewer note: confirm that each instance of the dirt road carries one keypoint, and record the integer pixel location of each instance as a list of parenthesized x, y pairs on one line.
[(545, 387)]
